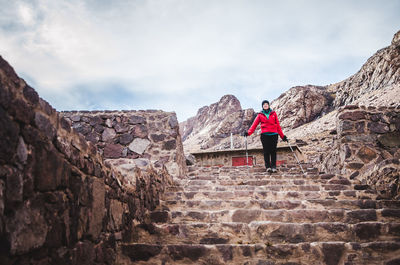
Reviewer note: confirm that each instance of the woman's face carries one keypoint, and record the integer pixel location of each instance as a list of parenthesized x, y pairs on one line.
[(266, 106)]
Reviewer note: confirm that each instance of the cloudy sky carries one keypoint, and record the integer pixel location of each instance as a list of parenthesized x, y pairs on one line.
[(179, 55)]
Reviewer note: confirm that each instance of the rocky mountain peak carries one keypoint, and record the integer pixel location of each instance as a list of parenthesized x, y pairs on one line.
[(380, 71), (302, 104), (209, 115), (215, 122), (396, 39), (227, 104)]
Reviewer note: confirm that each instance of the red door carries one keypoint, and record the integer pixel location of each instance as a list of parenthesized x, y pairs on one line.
[(241, 161)]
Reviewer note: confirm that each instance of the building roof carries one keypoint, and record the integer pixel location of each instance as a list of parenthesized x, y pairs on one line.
[(282, 147)]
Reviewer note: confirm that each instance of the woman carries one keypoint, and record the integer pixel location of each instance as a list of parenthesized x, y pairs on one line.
[(270, 129)]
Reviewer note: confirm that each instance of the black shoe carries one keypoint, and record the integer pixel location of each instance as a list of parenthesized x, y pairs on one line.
[(269, 170)]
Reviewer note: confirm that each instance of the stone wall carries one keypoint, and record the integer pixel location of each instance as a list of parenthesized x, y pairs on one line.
[(59, 202), (367, 147), (133, 138)]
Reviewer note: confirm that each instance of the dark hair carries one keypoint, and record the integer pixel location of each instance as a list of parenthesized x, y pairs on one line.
[(264, 101)]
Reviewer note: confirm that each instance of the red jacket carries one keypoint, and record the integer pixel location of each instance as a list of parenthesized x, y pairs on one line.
[(267, 125)]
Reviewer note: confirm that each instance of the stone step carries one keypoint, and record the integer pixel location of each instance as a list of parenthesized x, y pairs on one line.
[(323, 187), (280, 204), (259, 182), (264, 176), (318, 253), (270, 195), (248, 172), (256, 168), (288, 216), (265, 232)]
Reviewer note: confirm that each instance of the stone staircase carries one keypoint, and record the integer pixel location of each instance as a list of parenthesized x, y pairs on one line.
[(236, 215)]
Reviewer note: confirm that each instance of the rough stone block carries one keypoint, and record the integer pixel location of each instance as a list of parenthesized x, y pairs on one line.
[(8, 136), (108, 135), (113, 151), (193, 252), (125, 138), (92, 137), (340, 181), (367, 231), (27, 229), (136, 120), (158, 137), (226, 252), (120, 127), (173, 122), (353, 115), (360, 127), (84, 253), (393, 262), (75, 118), (213, 240), (332, 252), (2, 197), (394, 229), (116, 210), (390, 140), (65, 124), (169, 145), (245, 216), (354, 165), (378, 127), (354, 175), (95, 120), (159, 217), (391, 213), (139, 145), (140, 131), (31, 95), (15, 185), (141, 252), (98, 207), (361, 216), (22, 111), (45, 126), (48, 169), (99, 128), (361, 187)]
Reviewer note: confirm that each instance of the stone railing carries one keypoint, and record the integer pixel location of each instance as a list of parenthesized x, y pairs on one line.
[(59, 201), (367, 147), (133, 138)]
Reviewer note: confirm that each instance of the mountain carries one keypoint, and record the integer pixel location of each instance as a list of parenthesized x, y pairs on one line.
[(215, 122), (302, 110), (380, 71), (302, 104)]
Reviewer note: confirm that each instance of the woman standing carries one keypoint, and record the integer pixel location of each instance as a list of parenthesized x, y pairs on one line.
[(270, 129)]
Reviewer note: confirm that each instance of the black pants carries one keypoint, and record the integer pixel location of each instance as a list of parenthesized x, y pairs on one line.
[(269, 143)]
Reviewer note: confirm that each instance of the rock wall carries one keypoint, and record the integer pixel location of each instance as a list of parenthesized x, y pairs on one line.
[(381, 70), (133, 138), (59, 202), (302, 104), (367, 147)]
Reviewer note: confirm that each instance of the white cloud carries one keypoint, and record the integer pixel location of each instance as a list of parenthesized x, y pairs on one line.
[(192, 50)]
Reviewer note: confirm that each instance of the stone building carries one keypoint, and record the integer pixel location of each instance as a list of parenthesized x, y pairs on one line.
[(237, 157)]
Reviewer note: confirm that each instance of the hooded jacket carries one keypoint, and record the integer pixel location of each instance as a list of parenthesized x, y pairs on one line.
[(268, 125)]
